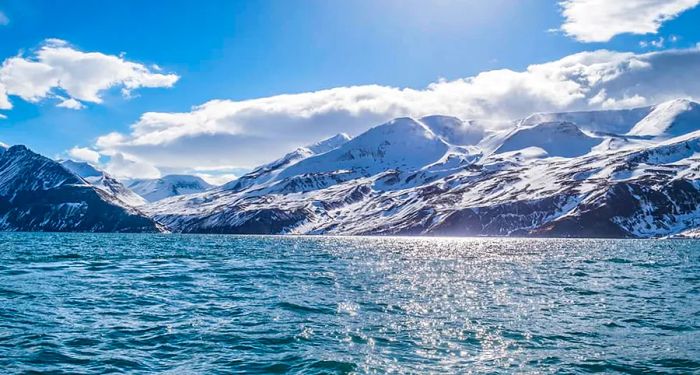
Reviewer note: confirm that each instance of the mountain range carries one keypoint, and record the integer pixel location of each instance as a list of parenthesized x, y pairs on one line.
[(632, 173)]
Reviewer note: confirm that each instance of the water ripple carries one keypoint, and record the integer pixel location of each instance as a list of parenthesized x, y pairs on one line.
[(89, 303)]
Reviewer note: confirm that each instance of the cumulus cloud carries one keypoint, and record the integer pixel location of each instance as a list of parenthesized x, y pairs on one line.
[(84, 154), (82, 76), (226, 133), (600, 20), (126, 166)]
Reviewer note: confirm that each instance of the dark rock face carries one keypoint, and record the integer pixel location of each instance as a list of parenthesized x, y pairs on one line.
[(267, 221), (638, 209), (38, 194)]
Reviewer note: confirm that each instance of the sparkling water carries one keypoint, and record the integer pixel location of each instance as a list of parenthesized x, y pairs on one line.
[(181, 304)]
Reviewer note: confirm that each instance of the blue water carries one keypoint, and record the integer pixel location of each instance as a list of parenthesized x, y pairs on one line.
[(84, 303)]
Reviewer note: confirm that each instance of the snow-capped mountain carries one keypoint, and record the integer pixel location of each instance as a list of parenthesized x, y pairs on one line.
[(626, 173), (103, 181), (153, 190), (268, 172), (669, 119), (39, 194), (563, 139)]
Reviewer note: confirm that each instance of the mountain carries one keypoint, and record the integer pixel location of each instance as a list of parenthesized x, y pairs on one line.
[(563, 139), (580, 174), (619, 121), (669, 119), (39, 194), (103, 181), (153, 190), (269, 171)]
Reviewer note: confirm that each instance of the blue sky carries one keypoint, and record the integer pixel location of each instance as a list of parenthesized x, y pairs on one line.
[(240, 50)]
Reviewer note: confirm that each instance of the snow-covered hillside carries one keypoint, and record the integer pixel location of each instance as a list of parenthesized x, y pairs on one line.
[(563, 139), (39, 194), (627, 173), (153, 190), (669, 119), (269, 172)]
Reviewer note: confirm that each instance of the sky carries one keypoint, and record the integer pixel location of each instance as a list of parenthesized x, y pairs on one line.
[(214, 88)]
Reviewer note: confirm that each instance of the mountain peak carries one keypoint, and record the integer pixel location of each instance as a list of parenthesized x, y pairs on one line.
[(403, 143), (563, 139), (669, 119), (329, 143), (685, 102), (398, 129), (18, 148)]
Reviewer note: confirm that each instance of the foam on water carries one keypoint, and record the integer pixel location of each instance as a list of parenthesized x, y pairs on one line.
[(205, 304)]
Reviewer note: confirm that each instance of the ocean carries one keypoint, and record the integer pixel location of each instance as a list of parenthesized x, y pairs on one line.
[(208, 304)]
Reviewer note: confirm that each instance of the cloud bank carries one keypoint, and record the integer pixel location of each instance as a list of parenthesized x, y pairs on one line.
[(600, 20), (226, 133), (57, 70)]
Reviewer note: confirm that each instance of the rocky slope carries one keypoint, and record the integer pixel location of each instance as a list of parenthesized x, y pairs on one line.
[(39, 194), (628, 173), (104, 182)]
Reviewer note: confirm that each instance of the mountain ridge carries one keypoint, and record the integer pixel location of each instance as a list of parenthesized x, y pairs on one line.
[(565, 179), (547, 175)]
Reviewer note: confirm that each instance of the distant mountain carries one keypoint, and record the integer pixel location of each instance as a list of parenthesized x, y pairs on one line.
[(39, 194), (103, 181), (153, 190), (626, 173)]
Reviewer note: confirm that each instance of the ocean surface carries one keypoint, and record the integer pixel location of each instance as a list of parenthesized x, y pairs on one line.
[(189, 304)]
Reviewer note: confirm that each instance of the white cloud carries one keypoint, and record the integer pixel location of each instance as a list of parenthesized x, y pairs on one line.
[(71, 103), (600, 20), (3, 19), (250, 132), (127, 166), (2, 117), (84, 154), (83, 76)]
